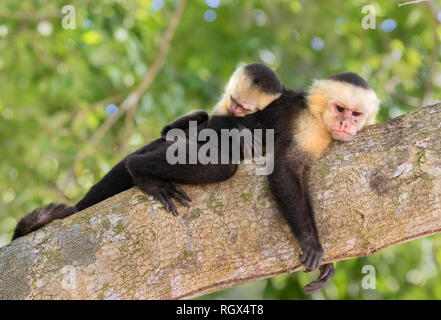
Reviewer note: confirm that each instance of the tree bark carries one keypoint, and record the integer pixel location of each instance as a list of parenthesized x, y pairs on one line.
[(380, 189)]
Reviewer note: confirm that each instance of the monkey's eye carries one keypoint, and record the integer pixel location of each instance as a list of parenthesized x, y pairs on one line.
[(236, 102), (340, 108), (356, 114)]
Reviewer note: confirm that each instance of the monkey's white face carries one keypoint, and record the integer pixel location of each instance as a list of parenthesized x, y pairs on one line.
[(344, 121), (343, 107), (240, 108), (248, 102)]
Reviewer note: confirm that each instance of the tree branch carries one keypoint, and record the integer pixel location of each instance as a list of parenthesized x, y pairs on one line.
[(379, 190)]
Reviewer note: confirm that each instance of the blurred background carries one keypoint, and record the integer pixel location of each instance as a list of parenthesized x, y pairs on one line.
[(66, 74)]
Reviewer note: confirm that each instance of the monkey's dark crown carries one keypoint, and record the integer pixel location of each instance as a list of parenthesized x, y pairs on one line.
[(264, 78), (352, 78)]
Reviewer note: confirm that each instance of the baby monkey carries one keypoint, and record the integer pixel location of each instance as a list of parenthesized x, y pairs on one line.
[(250, 88)]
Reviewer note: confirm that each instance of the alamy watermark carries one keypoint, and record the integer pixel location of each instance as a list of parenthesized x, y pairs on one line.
[(69, 20), (369, 280), (232, 145)]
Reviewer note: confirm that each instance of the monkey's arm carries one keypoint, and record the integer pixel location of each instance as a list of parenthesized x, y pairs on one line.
[(219, 122), (182, 122), (287, 185)]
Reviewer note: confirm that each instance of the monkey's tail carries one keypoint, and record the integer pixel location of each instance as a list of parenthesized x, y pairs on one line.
[(41, 217)]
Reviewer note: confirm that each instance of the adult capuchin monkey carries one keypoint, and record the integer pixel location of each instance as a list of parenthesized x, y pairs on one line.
[(249, 89), (304, 125)]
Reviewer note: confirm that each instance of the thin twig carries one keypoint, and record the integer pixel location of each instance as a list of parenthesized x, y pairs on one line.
[(132, 100), (412, 2), (28, 16), (154, 70)]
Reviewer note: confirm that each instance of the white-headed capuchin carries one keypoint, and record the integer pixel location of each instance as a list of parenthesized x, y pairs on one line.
[(304, 125), (250, 88)]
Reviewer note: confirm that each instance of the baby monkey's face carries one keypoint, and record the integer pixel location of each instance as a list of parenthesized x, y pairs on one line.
[(247, 102)]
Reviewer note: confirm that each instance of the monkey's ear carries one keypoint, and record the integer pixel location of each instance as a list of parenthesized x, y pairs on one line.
[(375, 106), (317, 98)]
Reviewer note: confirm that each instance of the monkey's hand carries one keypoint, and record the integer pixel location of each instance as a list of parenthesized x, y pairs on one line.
[(164, 191), (327, 271), (312, 254), (182, 122)]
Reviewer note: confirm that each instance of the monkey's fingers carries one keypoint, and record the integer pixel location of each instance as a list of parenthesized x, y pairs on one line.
[(163, 200), (327, 271), (181, 192), (311, 258), (170, 203), (178, 196)]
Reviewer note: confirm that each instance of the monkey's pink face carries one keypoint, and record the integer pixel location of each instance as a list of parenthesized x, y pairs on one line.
[(343, 121)]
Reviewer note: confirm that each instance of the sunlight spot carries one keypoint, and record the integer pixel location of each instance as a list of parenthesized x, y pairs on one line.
[(111, 109), (213, 3), (45, 28), (317, 43), (388, 25), (157, 5), (267, 56), (210, 15), (3, 31)]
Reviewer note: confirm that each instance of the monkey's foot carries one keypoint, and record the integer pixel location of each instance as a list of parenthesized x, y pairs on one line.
[(327, 271), (311, 257), (164, 191)]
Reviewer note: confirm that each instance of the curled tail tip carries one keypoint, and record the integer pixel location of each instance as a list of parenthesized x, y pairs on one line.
[(40, 217)]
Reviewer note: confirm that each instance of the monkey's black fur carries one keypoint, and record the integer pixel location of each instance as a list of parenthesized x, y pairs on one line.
[(264, 78), (40, 217), (352, 78)]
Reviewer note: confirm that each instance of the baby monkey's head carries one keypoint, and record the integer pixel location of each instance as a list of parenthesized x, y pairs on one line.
[(251, 88)]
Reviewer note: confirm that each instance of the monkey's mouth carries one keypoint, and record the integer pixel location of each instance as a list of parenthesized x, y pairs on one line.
[(238, 109), (341, 135)]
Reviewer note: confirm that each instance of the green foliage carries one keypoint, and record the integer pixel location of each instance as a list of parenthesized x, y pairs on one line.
[(56, 85)]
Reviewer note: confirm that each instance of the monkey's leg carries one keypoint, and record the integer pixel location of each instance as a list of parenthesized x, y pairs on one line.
[(151, 172), (164, 191), (115, 181), (182, 122), (156, 166)]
